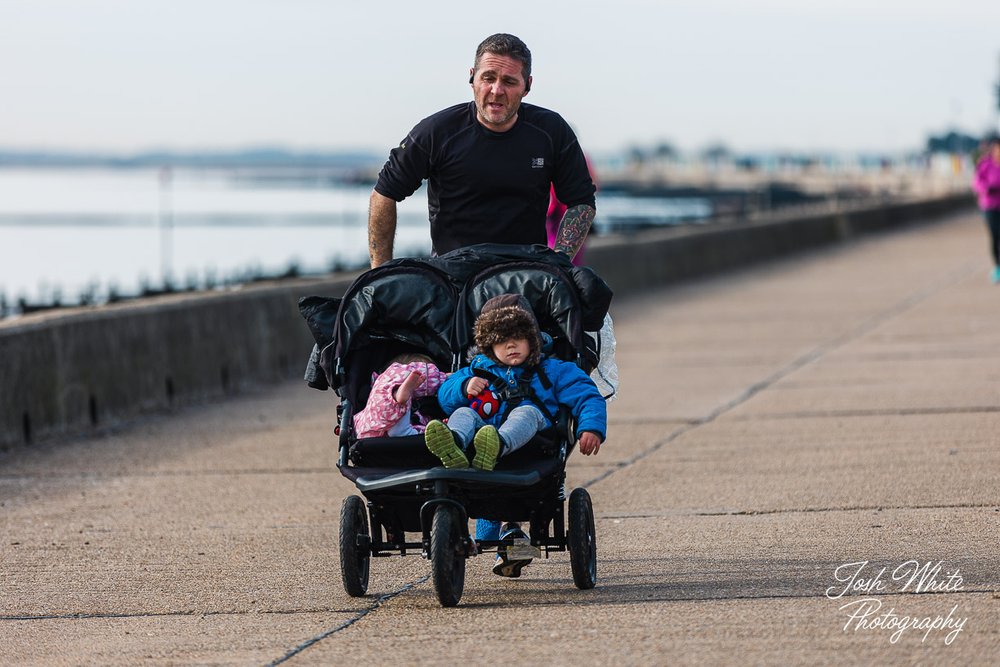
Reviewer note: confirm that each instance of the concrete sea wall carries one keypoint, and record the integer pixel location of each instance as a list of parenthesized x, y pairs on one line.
[(665, 255), (77, 371), (74, 371)]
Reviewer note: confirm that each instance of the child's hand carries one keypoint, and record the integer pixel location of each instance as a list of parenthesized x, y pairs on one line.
[(589, 443), (475, 386), (404, 392)]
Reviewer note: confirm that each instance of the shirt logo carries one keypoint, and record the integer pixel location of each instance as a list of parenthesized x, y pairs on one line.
[(537, 163)]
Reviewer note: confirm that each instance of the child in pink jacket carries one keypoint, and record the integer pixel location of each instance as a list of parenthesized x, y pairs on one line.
[(388, 411)]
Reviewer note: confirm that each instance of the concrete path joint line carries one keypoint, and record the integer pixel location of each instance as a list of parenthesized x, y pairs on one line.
[(167, 614), (167, 473), (788, 596), (349, 622), (893, 412), (806, 510)]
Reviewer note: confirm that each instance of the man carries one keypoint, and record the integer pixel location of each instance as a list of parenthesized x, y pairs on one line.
[(488, 164)]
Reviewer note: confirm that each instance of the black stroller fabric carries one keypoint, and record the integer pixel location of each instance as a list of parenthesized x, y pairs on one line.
[(429, 305)]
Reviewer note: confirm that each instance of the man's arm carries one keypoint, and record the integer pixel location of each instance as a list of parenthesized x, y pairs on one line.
[(573, 229), (381, 228)]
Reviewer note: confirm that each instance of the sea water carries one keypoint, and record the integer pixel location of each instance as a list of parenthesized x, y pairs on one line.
[(67, 234)]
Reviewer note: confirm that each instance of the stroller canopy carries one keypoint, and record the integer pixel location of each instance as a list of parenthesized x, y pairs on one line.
[(431, 304)]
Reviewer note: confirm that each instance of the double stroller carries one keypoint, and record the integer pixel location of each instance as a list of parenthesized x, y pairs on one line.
[(411, 502)]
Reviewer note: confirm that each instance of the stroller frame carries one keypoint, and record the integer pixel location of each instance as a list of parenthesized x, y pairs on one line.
[(405, 489)]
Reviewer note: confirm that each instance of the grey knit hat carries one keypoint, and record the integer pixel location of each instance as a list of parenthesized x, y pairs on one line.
[(504, 317)]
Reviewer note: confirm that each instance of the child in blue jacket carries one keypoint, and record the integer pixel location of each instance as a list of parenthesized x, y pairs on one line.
[(510, 391)]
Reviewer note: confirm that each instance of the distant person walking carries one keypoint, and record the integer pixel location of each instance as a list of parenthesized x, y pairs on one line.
[(987, 186)]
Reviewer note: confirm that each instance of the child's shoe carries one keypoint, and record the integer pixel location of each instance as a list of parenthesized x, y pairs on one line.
[(441, 443), (487, 442)]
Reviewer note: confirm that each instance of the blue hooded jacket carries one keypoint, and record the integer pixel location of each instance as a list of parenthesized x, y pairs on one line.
[(570, 386)]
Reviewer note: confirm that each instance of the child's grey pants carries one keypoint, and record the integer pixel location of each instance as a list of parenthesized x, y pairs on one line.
[(521, 425)]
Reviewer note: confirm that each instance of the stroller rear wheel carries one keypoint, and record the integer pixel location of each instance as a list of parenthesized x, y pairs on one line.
[(582, 540), (355, 546), (447, 556)]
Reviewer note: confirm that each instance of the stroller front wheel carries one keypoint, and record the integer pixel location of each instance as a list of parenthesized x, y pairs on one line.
[(355, 546), (582, 540), (447, 556)]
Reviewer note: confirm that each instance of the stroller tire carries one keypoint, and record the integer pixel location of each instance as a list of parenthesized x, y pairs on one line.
[(447, 556), (355, 546), (582, 540)]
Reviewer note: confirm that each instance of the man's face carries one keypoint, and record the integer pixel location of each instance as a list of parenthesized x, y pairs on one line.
[(512, 352), (498, 86)]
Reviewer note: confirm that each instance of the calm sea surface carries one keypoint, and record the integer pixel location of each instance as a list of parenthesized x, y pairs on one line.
[(67, 232)]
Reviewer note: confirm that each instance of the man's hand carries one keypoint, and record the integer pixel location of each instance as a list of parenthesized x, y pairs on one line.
[(589, 443), (381, 228), (573, 229), (475, 386)]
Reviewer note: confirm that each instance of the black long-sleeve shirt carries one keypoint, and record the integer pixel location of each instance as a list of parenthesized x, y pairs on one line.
[(484, 186)]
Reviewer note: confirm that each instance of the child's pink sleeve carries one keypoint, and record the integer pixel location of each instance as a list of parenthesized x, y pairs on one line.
[(382, 410)]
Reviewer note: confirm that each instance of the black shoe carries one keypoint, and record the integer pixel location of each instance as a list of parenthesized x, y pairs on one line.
[(510, 567)]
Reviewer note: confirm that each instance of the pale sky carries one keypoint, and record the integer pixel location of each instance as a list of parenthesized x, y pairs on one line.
[(841, 75)]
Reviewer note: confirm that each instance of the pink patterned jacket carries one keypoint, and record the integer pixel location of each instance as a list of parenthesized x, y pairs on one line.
[(382, 410)]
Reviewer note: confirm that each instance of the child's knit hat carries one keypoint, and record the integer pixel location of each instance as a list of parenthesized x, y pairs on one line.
[(504, 317)]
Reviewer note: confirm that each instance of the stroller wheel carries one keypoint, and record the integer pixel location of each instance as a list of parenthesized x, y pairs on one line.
[(447, 556), (582, 540), (355, 546)]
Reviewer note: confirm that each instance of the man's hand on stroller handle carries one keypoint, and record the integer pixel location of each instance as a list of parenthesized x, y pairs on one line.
[(589, 443), (475, 386)]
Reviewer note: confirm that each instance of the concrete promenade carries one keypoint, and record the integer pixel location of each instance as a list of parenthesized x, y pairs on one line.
[(778, 427)]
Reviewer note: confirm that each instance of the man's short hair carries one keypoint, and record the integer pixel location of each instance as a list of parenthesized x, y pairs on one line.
[(502, 44)]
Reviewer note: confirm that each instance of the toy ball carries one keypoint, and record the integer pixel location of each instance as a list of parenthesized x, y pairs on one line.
[(485, 404)]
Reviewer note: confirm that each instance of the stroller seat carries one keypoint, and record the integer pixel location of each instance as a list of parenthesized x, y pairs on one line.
[(381, 462)]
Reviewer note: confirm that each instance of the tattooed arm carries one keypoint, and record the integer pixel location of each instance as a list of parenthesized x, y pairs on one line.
[(381, 228), (573, 229)]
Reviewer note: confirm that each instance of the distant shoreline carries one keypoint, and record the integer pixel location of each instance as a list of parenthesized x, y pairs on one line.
[(345, 161)]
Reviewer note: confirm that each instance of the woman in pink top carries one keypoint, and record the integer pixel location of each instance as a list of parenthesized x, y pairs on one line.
[(555, 214), (987, 186)]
